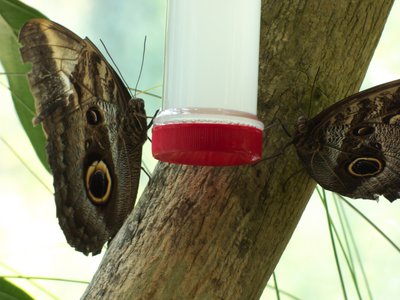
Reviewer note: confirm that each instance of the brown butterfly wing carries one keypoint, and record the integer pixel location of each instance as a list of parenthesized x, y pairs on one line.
[(353, 147), (94, 130)]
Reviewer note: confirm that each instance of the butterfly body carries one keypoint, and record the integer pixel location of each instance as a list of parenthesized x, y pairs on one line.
[(95, 132), (353, 147)]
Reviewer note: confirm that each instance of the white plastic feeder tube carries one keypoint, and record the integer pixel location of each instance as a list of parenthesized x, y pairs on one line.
[(211, 63)]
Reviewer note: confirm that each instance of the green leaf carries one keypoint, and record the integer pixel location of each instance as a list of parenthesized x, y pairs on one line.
[(13, 14), (9, 291), (16, 13)]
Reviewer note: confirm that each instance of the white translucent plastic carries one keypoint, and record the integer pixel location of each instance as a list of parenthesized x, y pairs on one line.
[(212, 54), (207, 115)]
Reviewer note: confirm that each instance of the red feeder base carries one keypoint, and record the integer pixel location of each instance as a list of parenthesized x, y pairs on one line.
[(207, 144)]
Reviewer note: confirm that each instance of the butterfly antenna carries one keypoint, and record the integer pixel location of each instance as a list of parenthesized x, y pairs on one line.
[(142, 64), (145, 170), (276, 154), (152, 119), (274, 121), (284, 128), (312, 92), (115, 65)]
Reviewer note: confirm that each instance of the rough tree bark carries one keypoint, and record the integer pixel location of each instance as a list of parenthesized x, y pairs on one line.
[(218, 233)]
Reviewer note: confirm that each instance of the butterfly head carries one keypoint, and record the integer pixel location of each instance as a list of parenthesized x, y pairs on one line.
[(301, 125)]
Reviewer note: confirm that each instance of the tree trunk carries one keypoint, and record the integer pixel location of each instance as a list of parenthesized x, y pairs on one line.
[(218, 233)]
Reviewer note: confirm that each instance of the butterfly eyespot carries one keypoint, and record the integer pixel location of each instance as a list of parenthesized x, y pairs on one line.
[(365, 166), (364, 130), (93, 116), (98, 182)]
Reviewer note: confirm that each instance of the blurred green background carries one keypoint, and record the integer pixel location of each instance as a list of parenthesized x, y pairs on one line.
[(32, 244)]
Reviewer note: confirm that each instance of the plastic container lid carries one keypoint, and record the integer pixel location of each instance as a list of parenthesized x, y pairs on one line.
[(207, 144)]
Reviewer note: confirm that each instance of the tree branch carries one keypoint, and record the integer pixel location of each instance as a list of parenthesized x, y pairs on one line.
[(218, 233)]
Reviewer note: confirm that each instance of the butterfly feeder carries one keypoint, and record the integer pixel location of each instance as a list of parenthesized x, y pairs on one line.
[(210, 84)]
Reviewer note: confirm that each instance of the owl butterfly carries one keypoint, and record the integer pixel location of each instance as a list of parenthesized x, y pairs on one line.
[(94, 129), (353, 147)]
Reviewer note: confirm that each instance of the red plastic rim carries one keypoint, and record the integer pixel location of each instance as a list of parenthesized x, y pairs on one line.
[(207, 144)]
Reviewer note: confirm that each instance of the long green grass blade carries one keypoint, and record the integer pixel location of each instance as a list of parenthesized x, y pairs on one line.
[(44, 278), (384, 235), (322, 196), (352, 243)]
